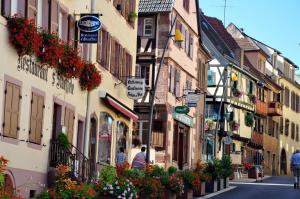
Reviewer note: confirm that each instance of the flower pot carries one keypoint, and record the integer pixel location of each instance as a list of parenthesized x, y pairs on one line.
[(169, 194), (211, 186), (226, 182), (202, 191), (187, 194), (220, 184)]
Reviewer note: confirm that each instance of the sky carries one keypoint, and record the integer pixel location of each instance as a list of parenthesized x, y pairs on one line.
[(273, 22)]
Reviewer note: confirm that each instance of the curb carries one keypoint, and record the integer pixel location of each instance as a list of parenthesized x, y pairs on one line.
[(247, 180), (216, 193)]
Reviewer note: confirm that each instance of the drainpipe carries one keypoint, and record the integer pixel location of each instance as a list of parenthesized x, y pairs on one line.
[(87, 115)]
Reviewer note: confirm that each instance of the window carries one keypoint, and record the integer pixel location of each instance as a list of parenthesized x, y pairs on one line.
[(143, 71), (281, 125), (172, 79), (158, 134), (11, 110), (105, 128), (63, 24), (124, 7), (148, 27), (297, 132), (287, 125), (39, 13), (188, 84), (32, 7), (186, 4), (191, 48), (211, 78), (121, 136), (177, 83), (287, 96), (103, 50), (293, 131), (142, 132), (36, 118), (179, 27), (69, 123)]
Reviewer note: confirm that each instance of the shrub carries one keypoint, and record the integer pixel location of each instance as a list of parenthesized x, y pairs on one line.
[(108, 174), (172, 170), (226, 165)]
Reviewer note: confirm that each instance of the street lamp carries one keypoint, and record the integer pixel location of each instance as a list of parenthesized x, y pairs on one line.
[(178, 38)]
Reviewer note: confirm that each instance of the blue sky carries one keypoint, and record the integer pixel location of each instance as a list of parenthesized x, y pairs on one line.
[(274, 22)]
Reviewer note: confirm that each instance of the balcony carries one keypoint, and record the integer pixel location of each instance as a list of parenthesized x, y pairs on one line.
[(275, 109), (261, 108), (257, 138)]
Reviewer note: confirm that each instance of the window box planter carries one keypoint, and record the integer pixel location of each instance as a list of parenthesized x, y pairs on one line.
[(220, 184)]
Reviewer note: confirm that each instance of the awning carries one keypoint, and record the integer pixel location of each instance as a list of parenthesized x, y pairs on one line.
[(120, 107)]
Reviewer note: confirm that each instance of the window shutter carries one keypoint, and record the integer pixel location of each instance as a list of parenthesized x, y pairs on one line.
[(191, 46), (33, 118), (187, 40), (39, 120), (182, 30), (108, 50), (15, 111), (172, 83), (177, 83), (54, 16), (117, 58), (8, 109), (21, 7), (45, 18), (69, 123), (6, 8), (123, 68), (113, 57), (71, 29), (127, 7), (32, 9)]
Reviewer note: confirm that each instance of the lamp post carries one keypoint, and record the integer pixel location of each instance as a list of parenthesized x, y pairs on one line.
[(178, 37)]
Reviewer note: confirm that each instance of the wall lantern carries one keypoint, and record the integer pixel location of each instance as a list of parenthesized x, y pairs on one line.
[(234, 76), (178, 36)]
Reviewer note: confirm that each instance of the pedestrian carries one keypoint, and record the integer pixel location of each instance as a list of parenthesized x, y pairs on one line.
[(121, 157), (139, 161), (258, 161), (295, 166)]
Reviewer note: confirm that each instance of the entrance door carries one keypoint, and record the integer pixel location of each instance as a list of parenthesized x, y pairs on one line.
[(92, 144), (283, 169), (56, 121), (80, 136), (181, 148)]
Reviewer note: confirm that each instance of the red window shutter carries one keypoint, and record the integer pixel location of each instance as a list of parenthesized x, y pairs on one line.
[(6, 8), (54, 16), (71, 29), (32, 9), (46, 17)]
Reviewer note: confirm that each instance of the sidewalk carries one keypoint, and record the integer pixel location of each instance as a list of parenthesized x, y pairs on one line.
[(244, 178), (216, 193)]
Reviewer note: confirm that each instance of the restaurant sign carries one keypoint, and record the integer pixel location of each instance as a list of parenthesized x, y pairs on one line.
[(183, 118), (89, 25), (30, 66), (135, 88)]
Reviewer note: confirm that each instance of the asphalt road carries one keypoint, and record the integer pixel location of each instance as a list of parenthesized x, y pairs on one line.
[(271, 188)]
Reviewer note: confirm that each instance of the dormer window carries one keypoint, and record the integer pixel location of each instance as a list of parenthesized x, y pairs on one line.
[(148, 27)]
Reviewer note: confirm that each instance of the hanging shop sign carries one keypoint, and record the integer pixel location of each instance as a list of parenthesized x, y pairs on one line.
[(183, 118), (227, 140), (192, 99), (89, 25), (28, 65), (135, 88), (182, 109)]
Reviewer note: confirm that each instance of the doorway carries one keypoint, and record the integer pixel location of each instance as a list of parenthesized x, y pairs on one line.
[(92, 150), (80, 136), (56, 121), (283, 169)]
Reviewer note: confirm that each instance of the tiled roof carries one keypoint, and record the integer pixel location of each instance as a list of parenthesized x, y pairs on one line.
[(246, 44), (153, 6), (222, 32)]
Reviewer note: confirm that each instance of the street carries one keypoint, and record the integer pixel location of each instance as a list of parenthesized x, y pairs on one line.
[(273, 188)]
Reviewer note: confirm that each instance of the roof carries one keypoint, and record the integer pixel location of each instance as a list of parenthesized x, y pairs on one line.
[(153, 6), (222, 32), (246, 44)]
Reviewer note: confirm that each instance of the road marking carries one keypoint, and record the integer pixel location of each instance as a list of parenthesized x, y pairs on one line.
[(216, 193), (262, 184)]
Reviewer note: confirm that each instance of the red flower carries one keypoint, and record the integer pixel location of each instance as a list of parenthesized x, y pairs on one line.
[(90, 77)]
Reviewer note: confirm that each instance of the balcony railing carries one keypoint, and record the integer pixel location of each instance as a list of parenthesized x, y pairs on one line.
[(81, 167), (275, 109), (261, 107)]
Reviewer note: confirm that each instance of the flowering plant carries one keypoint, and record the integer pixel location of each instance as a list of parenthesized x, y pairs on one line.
[(122, 169), (51, 50), (90, 77), (175, 183), (252, 98), (121, 188), (234, 125), (70, 65), (236, 92), (23, 35), (247, 166), (3, 165), (84, 191)]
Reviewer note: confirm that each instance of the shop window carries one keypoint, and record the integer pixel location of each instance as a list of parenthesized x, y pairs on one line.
[(36, 118), (69, 123), (141, 132), (121, 136), (11, 110), (105, 127), (148, 27)]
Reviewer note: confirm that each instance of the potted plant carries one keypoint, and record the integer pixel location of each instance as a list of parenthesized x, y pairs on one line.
[(188, 177), (227, 169), (252, 98), (212, 184), (234, 126), (249, 120), (132, 16), (175, 186), (236, 92), (90, 77), (219, 173)]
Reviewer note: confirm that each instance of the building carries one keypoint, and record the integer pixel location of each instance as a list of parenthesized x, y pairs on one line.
[(38, 106), (230, 102), (175, 137)]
